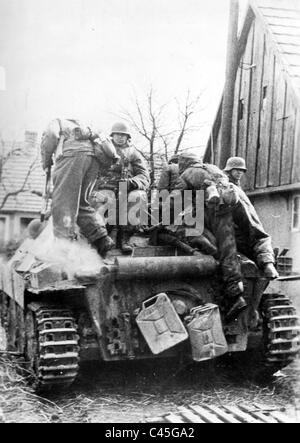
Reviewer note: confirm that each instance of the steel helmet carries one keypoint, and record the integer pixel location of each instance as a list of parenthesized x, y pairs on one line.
[(35, 227), (189, 156), (120, 128), (186, 160), (235, 163)]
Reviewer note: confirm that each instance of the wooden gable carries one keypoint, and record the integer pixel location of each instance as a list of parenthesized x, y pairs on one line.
[(266, 113)]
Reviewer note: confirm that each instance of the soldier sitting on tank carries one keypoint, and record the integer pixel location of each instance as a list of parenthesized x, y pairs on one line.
[(169, 175), (132, 169), (78, 154), (230, 219), (235, 169)]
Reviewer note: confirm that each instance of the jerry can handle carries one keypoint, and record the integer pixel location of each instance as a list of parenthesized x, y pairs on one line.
[(151, 300), (203, 308)]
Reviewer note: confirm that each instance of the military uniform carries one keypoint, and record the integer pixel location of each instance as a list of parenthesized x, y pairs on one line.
[(132, 169), (136, 171), (252, 240), (78, 153), (218, 220), (168, 177)]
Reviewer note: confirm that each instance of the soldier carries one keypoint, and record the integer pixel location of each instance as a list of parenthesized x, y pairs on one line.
[(252, 239), (132, 169), (233, 221), (235, 170), (78, 152), (169, 175)]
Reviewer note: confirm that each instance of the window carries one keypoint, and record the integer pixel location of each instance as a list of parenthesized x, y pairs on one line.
[(2, 230), (296, 213), (24, 222)]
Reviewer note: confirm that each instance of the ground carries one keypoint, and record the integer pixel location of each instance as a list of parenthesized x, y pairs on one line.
[(134, 391)]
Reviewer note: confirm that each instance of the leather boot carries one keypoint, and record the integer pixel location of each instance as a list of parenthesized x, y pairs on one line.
[(236, 309), (204, 245), (125, 246), (234, 294), (103, 245)]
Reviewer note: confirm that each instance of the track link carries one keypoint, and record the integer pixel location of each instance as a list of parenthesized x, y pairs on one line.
[(281, 330), (52, 347)]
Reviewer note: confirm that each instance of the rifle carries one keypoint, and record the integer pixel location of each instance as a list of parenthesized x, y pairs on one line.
[(46, 194), (125, 170)]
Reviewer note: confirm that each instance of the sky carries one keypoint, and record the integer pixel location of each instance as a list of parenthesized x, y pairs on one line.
[(87, 58)]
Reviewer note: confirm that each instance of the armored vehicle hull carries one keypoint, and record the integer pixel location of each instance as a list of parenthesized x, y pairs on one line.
[(153, 304)]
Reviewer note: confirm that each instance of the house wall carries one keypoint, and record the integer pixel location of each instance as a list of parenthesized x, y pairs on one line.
[(15, 225), (276, 214), (265, 123)]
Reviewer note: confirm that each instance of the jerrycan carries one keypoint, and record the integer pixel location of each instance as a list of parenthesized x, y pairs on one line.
[(206, 333), (160, 324)]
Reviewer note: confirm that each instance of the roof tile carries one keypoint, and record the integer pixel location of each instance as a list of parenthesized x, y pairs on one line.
[(283, 19), (13, 177)]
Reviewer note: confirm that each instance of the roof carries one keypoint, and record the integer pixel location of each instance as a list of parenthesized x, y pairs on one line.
[(25, 162), (282, 18)]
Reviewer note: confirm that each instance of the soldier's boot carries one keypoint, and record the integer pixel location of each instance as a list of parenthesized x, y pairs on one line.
[(204, 245), (270, 271), (237, 308), (103, 245), (238, 304), (125, 245)]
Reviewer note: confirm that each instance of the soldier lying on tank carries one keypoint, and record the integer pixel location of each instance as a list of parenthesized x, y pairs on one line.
[(232, 220), (78, 154), (131, 169)]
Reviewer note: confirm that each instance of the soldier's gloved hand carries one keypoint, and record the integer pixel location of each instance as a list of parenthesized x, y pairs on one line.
[(116, 160), (131, 185), (100, 137), (230, 196), (117, 166)]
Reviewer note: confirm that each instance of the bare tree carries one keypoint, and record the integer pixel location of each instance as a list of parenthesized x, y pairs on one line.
[(163, 127), (6, 186)]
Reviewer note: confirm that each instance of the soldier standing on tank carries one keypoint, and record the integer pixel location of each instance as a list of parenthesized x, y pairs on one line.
[(131, 169), (235, 169), (78, 154)]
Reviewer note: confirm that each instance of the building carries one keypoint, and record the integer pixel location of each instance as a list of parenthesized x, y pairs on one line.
[(22, 179), (265, 118)]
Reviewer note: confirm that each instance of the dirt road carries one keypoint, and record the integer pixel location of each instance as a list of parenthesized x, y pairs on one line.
[(133, 391)]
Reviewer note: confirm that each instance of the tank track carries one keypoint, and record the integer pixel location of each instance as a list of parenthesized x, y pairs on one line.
[(281, 329), (52, 349)]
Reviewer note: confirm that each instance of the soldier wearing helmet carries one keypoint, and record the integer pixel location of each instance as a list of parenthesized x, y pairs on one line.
[(133, 169), (235, 169)]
